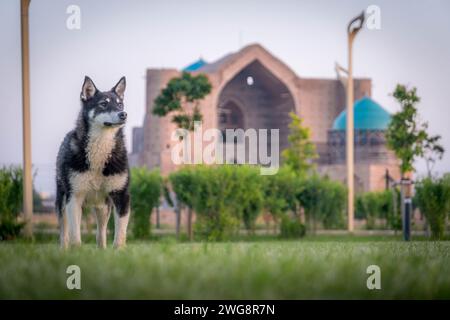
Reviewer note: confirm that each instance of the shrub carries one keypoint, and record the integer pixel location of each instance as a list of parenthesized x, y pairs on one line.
[(215, 202), (222, 196), (333, 204), (291, 227), (145, 189), (249, 195), (433, 199), (378, 205), (280, 192), (323, 201), (10, 202)]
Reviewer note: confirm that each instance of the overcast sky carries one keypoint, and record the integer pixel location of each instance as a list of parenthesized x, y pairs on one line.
[(126, 37)]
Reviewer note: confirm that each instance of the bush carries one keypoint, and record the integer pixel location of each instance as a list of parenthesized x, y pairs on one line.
[(433, 199), (218, 216), (291, 228), (227, 195), (333, 204), (145, 189), (249, 195), (222, 196), (379, 205), (10, 202), (323, 201), (280, 192), (10, 229)]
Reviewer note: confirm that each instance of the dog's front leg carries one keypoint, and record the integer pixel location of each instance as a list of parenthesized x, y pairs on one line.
[(102, 214), (63, 230), (121, 202), (74, 212)]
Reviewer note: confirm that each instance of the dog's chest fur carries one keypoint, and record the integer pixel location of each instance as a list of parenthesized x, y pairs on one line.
[(93, 183)]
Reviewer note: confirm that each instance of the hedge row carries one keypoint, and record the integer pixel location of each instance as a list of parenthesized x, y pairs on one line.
[(228, 196)]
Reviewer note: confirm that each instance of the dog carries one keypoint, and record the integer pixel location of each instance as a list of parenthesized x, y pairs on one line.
[(92, 167)]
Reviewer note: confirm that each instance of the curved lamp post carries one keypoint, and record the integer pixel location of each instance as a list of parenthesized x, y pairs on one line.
[(353, 28)]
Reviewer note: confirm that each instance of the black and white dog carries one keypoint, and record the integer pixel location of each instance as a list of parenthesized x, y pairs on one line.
[(92, 167)]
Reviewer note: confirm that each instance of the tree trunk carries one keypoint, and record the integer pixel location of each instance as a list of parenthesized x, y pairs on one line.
[(158, 224), (189, 224), (178, 220)]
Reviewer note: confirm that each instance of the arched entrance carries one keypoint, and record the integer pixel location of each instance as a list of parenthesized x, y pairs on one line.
[(255, 98)]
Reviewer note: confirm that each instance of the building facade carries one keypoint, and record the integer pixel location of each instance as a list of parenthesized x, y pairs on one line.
[(253, 89)]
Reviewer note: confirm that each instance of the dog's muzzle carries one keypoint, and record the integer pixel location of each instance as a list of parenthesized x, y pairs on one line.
[(122, 119)]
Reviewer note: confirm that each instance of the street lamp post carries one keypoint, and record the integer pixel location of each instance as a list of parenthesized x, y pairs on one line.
[(27, 175), (353, 28)]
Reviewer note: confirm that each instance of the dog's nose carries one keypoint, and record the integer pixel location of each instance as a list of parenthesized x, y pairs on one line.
[(122, 115)]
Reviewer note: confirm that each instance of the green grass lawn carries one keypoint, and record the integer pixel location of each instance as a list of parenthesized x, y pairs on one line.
[(311, 268)]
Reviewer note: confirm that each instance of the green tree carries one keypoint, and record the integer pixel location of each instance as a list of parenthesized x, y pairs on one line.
[(10, 202), (433, 199), (180, 94), (280, 192), (406, 135), (301, 152), (323, 201), (185, 186), (333, 204), (222, 197), (310, 199), (145, 190)]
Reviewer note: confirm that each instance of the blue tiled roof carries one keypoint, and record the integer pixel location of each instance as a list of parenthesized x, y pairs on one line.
[(195, 65), (368, 115)]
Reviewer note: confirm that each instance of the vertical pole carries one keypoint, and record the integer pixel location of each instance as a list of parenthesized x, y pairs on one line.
[(350, 139), (27, 175), (407, 225), (394, 205), (406, 206)]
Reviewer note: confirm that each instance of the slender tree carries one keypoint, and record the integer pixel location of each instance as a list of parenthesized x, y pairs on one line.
[(407, 136), (181, 98), (301, 152)]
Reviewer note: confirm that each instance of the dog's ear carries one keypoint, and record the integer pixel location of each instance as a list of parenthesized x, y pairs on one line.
[(88, 90), (119, 88)]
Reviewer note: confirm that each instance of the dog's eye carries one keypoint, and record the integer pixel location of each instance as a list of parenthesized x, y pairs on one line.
[(103, 104)]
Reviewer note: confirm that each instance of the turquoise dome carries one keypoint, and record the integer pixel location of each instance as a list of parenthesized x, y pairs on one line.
[(368, 114)]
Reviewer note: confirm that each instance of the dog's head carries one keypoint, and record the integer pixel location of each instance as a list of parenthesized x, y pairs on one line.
[(104, 109)]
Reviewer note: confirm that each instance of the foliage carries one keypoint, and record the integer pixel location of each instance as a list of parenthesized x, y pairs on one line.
[(291, 227), (433, 199), (215, 202), (145, 189), (301, 150), (180, 92), (376, 205), (406, 135), (333, 204), (10, 202), (185, 186), (323, 200), (280, 192), (222, 196), (250, 195)]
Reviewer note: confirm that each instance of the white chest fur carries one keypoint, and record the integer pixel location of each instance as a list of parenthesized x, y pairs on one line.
[(94, 181), (92, 184), (100, 145)]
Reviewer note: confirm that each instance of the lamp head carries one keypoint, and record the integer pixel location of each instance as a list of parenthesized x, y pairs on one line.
[(356, 24)]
